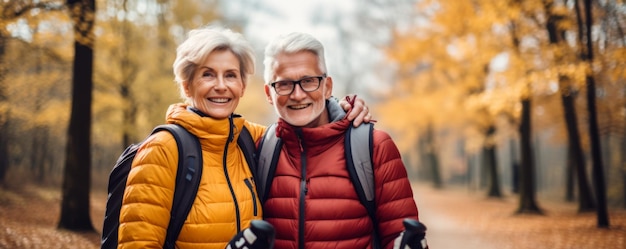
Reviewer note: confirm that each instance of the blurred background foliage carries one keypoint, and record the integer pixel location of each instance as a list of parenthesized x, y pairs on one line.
[(445, 78)]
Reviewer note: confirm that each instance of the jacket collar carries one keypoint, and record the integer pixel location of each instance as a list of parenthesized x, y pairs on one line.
[(216, 131), (318, 138)]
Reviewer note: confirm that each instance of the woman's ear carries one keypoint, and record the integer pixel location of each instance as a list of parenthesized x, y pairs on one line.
[(186, 88), (243, 89)]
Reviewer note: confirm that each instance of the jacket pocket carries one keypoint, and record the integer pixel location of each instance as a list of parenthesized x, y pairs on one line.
[(253, 194)]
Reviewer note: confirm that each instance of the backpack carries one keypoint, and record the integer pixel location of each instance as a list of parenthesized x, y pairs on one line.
[(188, 177), (358, 153)]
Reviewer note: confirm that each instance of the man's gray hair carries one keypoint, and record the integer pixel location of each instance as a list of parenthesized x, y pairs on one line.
[(291, 43)]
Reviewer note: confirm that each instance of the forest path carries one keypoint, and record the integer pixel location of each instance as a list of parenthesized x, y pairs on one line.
[(458, 218), (455, 218)]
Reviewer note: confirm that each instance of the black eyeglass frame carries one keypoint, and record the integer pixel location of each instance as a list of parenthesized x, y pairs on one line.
[(298, 82)]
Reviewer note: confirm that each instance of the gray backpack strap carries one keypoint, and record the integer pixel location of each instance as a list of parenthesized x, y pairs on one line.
[(267, 157), (361, 150), (358, 148)]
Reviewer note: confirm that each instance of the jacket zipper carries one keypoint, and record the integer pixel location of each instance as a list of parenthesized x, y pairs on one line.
[(230, 185), (303, 191), (248, 182)]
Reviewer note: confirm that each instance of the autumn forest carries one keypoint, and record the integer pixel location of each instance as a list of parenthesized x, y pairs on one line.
[(507, 97)]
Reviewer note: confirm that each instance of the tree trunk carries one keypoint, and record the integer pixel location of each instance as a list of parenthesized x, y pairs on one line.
[(514, 168), (527, 203), (489, 152), (4, 113), (623, 168), (129, 114), (556, 38), (129, 70), (39, 139), (75, 213), (596, 155), (569, 175), (423, 169), (594, 134), (585, 199), (36, 154), (469, 160), (433, 159)]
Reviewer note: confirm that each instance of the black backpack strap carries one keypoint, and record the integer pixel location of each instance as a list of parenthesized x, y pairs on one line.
[(116, 186), (267, 158), (358, 148), (246, 143), (188, 178)]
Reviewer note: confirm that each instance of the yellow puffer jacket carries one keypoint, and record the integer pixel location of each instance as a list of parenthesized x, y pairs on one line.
[(214, 217)]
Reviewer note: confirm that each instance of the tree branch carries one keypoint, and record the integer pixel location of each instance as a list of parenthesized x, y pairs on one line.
[(15, 9)]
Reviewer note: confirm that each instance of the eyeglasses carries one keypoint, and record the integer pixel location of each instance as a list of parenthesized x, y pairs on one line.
[(307, 84)]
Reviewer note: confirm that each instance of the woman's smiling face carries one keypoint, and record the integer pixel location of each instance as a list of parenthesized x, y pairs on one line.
[(217, 85)]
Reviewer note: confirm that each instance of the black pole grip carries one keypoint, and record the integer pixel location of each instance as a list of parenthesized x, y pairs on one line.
[(264, 231), (260, 235), (414, 234)]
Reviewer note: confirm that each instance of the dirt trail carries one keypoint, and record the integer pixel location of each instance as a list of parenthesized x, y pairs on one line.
[(444, 229), (455, 218)]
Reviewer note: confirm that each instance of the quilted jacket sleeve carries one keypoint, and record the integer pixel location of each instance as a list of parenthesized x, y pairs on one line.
[(147, 202), (394, 196)]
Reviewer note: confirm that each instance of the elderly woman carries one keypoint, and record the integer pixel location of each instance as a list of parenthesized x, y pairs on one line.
[(211, 70)]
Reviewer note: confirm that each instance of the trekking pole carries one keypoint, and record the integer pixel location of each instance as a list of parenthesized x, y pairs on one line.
[(260, 235), (414, 235)]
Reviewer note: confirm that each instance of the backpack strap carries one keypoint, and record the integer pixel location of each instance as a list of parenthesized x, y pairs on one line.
[(267, 158), (358, 148), (188, 177), (359, 159), (246, 143)]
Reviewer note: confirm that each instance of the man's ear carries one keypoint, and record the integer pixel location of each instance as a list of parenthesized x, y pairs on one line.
[(268, 94), (328, 87)]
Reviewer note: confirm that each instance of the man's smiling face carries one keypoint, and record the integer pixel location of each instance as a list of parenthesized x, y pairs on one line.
[(300, 108)]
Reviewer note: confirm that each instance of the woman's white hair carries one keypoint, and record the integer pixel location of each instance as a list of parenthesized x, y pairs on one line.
[(200, 43), (291, 43)]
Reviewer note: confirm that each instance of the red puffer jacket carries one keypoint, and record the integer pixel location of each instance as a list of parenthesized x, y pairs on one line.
[(312, 202)]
